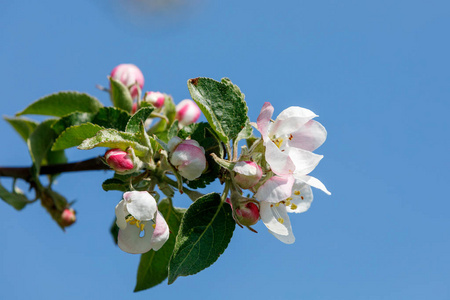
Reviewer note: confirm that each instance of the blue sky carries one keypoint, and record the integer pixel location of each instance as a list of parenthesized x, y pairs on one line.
[(375, 72)]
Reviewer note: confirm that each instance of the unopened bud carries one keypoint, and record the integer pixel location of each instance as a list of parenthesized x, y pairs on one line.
[(187, 112), (188, 157), (68, 217), (247, 214), (121, 161), (155, 98), (248, 174), (129, 75)]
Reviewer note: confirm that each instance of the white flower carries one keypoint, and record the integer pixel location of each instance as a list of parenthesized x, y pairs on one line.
[(290, 139), (274, 213), (142, 227)]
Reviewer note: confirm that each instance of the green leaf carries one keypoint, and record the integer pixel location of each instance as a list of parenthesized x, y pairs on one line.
[(16, 200), (75, 135), (62, 104), (223, 105), (114, 184), (205, 231), (111, 117), (153, 267), (76, 118), (40, 142), (23, 126), (139, 117), (115, 139), (120, 95)]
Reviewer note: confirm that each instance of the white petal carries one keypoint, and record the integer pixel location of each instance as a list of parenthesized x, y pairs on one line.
[(161, 232), (246, 168), (121, 214), (309, 137), (290, 120), (302, 197), (275, 189), (312, 181), (279, 161), (304, 161), (141, 205), (130, 241), (264, 119), (271, 217)]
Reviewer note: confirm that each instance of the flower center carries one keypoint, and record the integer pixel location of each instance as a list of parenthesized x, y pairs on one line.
[(133, 221), (278, 142)]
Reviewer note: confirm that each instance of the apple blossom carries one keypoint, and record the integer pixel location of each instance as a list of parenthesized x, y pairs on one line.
[(274, 212), (138, 213), (248, 174), (122, 162), (155, 98), (187, 112), (129, 75), (188, 157)]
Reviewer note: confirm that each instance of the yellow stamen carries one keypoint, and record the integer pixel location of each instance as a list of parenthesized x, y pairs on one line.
[(154, 226), (278, 142), (296, 193), (281, 220), (294, 207)]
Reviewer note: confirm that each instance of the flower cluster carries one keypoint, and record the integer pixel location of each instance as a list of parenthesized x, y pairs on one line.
[(275, 169), (288, 159)]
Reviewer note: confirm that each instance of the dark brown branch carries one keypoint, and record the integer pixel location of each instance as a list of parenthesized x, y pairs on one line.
[(92, 164)]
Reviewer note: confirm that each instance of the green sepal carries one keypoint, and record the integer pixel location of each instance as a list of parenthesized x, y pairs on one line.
[(62, 104), (204, 234), (153, 267)]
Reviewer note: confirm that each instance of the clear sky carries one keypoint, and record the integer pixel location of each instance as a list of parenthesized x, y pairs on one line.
[(377, 73)]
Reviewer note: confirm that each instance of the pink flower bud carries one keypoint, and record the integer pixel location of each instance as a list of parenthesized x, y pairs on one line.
[(129, 74), (134, 108), (121, 161), (68, 217), (247, 214), (188, 157), (187, 112), (248, 174), (155, 98)]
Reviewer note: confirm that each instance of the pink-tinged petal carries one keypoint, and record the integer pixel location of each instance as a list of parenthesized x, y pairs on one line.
[(190, 160), (187, 112), (248, 174), (290, 120), (302, 197), (121, 214), (161, 232), (264, 120), (314, 182), (309, 137), (279, 161), (129, 239), (304, 161), (277, 221), (141, 205), (275, 189)]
